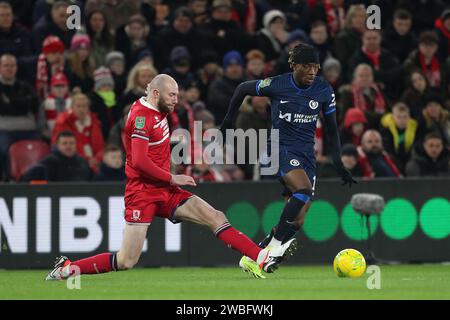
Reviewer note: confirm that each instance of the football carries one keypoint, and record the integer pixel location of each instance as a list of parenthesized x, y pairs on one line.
[(349, 263)]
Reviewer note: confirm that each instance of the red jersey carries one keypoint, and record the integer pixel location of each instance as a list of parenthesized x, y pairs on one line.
[(147, 123)]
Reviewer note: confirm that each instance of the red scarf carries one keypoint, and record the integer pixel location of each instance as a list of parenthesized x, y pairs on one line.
[(439, 24), (360, 102), (431, 71), (42, 81), (335, 20), (367, 168), (374, 57)]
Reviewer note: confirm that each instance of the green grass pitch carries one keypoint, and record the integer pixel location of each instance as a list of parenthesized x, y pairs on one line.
[(289, 282)]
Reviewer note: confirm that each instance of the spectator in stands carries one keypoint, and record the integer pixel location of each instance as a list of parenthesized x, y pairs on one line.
[(398, 134), (398, 37), (103, 100), (434, 119), (348, 40), (192, 93), (63, 164), (432, 159), (138, 78), (221, 90), (199, 9), (319, 39), (386, 68), (332, 72), (202, 172), (57, 101), (50, 62), (180, 66), (364, 94), (116, 134), (54, 24), (426, 59), (295, 38), (442, 26), (132, 38), (97, 28), (208, 73), (272, 38), (355, 123), (254, 114), (416, 94), (223, 33), (182, 32), (86, 128), (112, 166), (82, 63), (373, 159), (423, 11), (349, 157), (255, 66), (18, 106), (115, 62), (332, 12), (13, 38), (118, 12)]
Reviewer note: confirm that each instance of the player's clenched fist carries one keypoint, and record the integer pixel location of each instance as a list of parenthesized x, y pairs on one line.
[(182, 180)]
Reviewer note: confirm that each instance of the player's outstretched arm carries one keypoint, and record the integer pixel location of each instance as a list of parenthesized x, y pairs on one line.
[(247, 88), (333, 136)]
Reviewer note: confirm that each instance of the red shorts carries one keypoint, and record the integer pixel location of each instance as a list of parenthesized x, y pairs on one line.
[(142, 206)]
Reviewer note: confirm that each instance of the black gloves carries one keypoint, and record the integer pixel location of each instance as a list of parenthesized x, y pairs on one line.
[(346, 176)]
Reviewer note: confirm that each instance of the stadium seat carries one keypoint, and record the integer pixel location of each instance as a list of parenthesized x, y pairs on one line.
[(24, 154)]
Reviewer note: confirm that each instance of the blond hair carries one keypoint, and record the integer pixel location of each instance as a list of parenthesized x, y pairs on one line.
[(351, 12), (132, 83)]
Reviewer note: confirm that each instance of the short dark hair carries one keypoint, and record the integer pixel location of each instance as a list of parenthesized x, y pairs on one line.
[(318, 23), (432, 135), (64, 134), (428, 37), (111, 148), (402, 14)]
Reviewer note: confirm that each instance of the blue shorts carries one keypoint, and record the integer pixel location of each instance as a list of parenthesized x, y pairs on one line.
[(298, 160)]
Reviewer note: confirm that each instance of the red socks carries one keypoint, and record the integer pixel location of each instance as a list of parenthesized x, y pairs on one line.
[(238, 241), (100, 263)]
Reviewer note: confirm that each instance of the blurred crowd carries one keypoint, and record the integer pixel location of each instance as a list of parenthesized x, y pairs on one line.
[(65, 93)]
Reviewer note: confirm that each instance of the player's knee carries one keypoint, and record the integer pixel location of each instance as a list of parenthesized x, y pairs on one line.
[(218, 218)]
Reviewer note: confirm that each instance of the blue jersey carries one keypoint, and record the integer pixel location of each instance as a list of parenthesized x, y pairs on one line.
[(295, 110)]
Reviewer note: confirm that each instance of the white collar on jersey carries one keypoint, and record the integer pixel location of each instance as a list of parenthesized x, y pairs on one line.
[(145, 103)]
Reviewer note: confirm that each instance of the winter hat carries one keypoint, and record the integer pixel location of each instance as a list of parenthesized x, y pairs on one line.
[(332, 63), (52, 44), (144, 53), (58, 79), (179, 55), (102, 77), (80, 41), (232, 57), (445, 14), (113, 56), (271, 15), (298, 35)]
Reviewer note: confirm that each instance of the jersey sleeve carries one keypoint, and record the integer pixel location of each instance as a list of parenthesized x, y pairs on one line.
[(140, 126), (265, 87), (330, 105)]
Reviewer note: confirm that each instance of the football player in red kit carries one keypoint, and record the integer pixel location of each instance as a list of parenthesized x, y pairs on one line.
[(151, 190)]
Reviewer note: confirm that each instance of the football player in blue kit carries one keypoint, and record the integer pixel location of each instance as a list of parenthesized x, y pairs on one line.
[(297, 99)]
